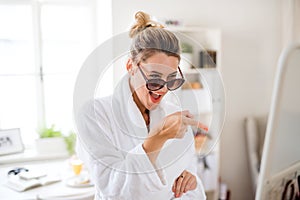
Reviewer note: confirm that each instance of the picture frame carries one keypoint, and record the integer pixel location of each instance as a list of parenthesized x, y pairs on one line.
[(10, 141)]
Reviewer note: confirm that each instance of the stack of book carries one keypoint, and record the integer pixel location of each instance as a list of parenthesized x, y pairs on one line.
[(208, 59), (28, 180)]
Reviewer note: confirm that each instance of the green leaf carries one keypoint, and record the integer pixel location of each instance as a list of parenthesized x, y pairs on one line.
[(71, 141), (49, 132), (186, 48)]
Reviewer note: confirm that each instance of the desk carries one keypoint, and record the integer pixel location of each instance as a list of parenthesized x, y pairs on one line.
[(60, 166)]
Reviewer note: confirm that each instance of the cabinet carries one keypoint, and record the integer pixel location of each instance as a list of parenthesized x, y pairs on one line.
[(206, 102)]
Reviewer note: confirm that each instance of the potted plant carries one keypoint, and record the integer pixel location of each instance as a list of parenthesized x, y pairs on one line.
[(70, 141), (51, 141), (186, 56)]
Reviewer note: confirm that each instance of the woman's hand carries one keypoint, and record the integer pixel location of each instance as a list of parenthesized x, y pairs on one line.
[(175, 125), (185, 182)]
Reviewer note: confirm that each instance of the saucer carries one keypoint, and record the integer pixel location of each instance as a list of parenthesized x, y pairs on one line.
[(79, 181)]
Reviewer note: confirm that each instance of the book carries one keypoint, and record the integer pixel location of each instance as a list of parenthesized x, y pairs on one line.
[(20, 184), (208, 59)]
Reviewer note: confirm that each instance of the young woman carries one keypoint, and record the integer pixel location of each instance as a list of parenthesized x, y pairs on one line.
[(136, 145)]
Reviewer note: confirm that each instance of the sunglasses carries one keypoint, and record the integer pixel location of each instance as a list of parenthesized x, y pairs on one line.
[(157, 83)]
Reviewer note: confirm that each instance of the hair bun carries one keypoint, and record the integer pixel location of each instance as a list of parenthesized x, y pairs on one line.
[(142, 18), (142, 21)]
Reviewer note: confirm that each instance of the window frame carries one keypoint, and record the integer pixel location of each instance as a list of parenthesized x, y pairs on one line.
[(38, 74)]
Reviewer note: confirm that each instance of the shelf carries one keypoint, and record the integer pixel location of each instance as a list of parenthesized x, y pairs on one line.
[(30, 155), (192, 29), (199, 101), (198, 70), (202, 91), (200, 39), (195, 100)]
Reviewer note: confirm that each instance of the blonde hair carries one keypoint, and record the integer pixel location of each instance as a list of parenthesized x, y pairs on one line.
[(150, 37)]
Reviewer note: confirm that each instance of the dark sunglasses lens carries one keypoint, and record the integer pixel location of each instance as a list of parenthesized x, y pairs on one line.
[(155, 84), (175, 84)]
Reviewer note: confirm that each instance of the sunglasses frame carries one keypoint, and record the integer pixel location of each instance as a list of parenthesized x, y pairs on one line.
[(165, 82)]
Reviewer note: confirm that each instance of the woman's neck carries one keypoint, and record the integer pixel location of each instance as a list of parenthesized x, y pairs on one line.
[(144, 111), (142, 108)]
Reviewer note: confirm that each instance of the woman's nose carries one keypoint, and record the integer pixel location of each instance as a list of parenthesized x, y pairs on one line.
[(163, 89)]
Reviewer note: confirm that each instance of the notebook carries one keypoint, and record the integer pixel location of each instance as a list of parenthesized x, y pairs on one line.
[(20, 184)]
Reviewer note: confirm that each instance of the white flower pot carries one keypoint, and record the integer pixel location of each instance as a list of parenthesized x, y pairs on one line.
[(54, 145)]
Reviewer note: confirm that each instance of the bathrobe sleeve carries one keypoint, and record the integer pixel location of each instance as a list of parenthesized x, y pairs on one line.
[(114, 172)]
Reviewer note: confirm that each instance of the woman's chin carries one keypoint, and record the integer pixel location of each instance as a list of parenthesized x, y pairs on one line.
[(153, 100), (153, 106)]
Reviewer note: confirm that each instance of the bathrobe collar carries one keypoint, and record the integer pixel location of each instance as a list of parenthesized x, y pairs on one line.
[(128, 115)]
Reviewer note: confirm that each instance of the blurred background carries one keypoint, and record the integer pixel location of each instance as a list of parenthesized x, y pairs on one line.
[(43, 44)]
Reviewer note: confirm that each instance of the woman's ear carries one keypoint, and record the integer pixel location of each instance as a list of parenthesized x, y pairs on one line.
[(129, 66)]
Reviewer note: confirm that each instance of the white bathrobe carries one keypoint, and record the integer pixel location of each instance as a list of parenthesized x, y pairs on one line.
[(111, 132)]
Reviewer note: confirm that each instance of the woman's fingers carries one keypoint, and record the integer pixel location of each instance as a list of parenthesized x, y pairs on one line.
[(185, 182), (176, 124), (178, 181), (193, 185), (192, 122), (187, 114), (174, 187), (181, 183)]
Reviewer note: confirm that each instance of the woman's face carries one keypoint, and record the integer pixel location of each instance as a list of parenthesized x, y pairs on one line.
[(159, 66)]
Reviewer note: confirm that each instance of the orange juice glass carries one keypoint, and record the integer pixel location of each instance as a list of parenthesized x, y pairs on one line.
[(76, 166)]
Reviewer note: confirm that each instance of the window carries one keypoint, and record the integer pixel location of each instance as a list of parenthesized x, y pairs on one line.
[(42, 47)]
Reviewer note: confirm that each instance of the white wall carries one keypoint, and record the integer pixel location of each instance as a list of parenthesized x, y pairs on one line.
[(291, 19), (251, 43)]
